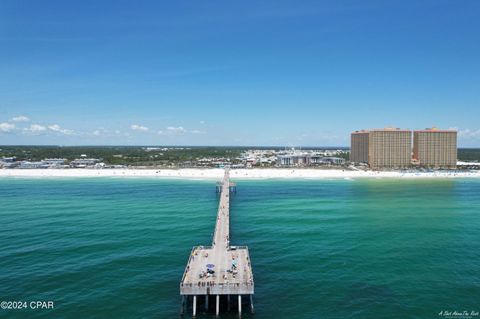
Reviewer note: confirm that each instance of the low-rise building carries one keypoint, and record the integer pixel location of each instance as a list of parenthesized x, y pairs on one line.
[(84, 162), (334, 160), (54, 161), (308, 160), (30, 165), (9, 162)]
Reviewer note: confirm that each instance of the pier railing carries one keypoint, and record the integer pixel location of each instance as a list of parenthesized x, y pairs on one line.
[(188, 262)]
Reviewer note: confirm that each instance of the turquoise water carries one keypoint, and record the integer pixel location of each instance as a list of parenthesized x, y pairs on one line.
[(116, 248)]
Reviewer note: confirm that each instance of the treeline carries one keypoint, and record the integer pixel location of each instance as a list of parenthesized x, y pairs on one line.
[(469, 154), (120, 155), (137, 155)]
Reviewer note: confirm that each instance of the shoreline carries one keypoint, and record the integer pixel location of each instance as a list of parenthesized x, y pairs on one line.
[(217, 173)]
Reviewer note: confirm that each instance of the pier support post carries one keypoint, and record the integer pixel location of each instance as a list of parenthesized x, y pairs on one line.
[(239, 305), (206, 302), (228, 302), (194, 306), (251, 304), (182, 306), (217, 312)]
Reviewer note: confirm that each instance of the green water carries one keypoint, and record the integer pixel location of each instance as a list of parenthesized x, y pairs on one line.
[(116, 248)]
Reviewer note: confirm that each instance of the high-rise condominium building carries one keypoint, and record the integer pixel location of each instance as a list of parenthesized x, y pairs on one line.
[(435, 148), (359, 147), (390, 148), (382, 148)]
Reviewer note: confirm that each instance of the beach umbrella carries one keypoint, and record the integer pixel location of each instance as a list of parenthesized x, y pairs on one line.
[(210, 265)]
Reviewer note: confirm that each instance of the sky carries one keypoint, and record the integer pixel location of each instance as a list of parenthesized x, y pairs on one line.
[(283, 73)]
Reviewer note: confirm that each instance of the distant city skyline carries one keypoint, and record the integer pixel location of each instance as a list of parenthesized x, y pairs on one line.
[(278, 73)]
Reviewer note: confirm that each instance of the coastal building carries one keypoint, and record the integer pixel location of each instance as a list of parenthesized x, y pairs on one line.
[(382, 148), (30, 165), (359, 147), (9, 162), (308, 160), (84, 162), (333, 160), (435, 148), (46, 163), (54, 162), (475, 165), (8, 159), (292, 160), (261, 157), (390, 148)]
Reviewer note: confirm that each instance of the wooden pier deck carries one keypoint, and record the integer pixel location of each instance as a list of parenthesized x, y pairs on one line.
[(219, 269)]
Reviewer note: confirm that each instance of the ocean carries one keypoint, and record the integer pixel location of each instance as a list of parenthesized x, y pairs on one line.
[(366, 248)]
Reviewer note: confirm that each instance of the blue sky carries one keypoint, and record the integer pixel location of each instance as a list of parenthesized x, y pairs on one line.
[(285, 73)]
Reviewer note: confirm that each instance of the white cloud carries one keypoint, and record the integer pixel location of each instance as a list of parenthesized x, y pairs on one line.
[(137, 127), (176, 130), (101, 131), (20, 118), (202, 122), (54, 127), (468, 133), (35, 129), (58, 129), (6, 127), (172, 130)]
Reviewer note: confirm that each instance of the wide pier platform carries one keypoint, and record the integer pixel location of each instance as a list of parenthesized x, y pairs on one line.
[(220, 270)]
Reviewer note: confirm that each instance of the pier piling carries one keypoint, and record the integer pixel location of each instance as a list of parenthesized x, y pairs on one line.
[(182, 306), (239, 305), (194, 306)]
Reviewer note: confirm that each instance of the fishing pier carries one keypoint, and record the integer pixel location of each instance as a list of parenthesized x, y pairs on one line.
[(220, 271)]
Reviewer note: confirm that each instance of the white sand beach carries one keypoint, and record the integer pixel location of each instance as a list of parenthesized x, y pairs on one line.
[(216, 173)]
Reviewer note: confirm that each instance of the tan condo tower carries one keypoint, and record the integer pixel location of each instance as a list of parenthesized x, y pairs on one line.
[(435, 148), (382, 148)]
